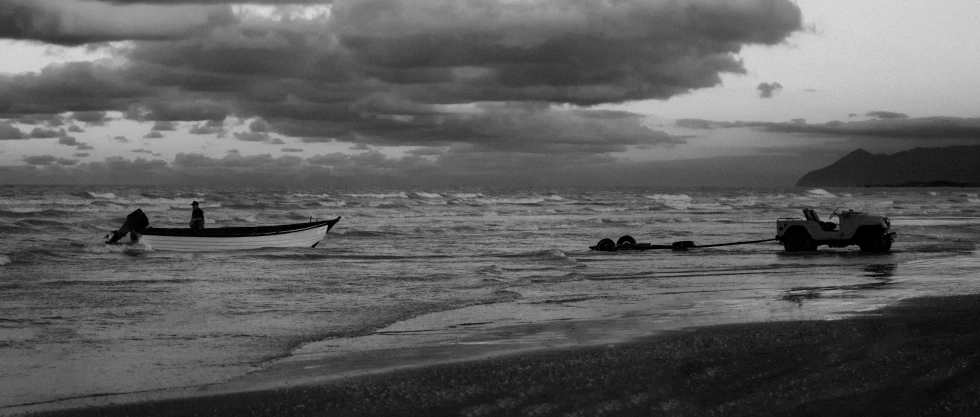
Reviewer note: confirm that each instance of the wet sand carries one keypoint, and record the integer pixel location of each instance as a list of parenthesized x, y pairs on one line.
[(921, 357)]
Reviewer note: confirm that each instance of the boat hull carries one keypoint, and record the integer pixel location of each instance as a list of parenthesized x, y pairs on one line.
[(237, 238)]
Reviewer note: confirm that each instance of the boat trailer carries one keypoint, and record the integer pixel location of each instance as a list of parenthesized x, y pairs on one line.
[(628, 243)]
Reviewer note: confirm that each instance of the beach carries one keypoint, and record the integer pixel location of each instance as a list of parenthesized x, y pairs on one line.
[(472, 301), (918, 357)]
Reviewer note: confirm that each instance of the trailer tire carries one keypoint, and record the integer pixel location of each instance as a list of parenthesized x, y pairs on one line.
[(798, 241), (626, 241), (606, 245)]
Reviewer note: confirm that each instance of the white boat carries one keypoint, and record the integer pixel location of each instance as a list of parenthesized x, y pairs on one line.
[(298, 235)]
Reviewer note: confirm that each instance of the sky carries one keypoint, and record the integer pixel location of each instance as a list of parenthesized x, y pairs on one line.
[(476, 92)]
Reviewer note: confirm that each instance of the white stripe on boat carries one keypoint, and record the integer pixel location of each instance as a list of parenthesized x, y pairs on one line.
[(219, 239)]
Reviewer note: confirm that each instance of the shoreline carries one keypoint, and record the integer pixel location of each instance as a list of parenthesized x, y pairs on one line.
[(918, 357)]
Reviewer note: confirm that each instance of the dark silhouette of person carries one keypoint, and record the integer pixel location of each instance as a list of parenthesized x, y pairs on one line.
[(197, 217), (135, 223)]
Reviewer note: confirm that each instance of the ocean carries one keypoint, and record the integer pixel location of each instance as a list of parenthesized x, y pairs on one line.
[(405, 270)]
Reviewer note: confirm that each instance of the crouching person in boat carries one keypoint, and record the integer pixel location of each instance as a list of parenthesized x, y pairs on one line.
[(197, 217), (135, 223)]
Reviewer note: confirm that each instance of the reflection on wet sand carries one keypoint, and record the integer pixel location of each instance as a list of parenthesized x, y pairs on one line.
[(881, 272)]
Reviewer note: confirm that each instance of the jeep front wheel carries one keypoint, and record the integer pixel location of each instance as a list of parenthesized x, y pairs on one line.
[(798, 241)]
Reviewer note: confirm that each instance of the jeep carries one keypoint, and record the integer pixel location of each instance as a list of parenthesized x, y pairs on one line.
[(871, 232)]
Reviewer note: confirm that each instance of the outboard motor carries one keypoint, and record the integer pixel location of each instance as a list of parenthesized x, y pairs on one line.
[(135, 223)]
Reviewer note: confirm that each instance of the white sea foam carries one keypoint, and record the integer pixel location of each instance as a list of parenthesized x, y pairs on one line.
[(70, 202), (22, 209), (709, 206), (428, 195), (819, 193), (468, 254), (674, 201), (515, 200), (600, 209), (379, 195), (669, 197), (102, 195)]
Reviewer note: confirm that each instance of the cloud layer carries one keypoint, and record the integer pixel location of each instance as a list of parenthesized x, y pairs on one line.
[(487, 78)]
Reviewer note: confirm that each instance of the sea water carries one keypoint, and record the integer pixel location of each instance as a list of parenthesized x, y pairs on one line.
[(413, 267)]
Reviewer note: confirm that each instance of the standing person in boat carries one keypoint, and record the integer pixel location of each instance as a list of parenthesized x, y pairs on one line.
[(197, 217)]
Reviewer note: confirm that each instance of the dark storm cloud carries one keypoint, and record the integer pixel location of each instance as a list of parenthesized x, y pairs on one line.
[(75, 22), (259, 125), (233, 164), (91, 117), (712, 124), (154, 134), (461, 164), (505, 78), (501, 126), (316, 139), (582, 52), (165, 126), (42, 133), (367, 165), (8, 131), (441, 51), (252, 136), (270, 2), (51, 120), (84, 147), (113, 170), (76, 86), (907, 128), (551, 130), (68, 140), (923, 128), (208, 128), (173, 108), (40, 159), (887, 115), (427, 151), (696, 124), (768, 90)]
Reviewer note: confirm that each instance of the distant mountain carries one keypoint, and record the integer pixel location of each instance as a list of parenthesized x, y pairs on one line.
[(949, 166)]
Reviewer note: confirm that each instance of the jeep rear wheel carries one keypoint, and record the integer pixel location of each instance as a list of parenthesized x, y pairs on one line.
[(875, 243), (798, 241)]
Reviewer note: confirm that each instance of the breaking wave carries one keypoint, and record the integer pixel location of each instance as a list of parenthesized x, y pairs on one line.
[(819, 193)]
